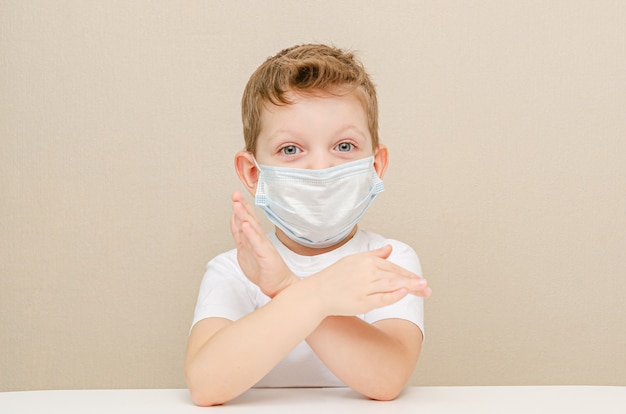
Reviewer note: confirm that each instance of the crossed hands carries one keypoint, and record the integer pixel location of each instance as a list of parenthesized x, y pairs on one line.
[(353, 285)]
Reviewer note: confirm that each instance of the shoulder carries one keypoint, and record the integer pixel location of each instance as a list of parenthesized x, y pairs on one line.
[(376, 240), (225, 292), (226, 260), (224, 268)]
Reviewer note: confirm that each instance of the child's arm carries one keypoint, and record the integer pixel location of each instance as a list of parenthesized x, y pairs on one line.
[(376, 360), (226, 358)]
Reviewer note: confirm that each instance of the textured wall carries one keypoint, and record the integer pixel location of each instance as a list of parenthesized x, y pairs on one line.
[(506, 127)]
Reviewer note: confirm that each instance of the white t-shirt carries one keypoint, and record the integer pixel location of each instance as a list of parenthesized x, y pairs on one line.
[(225, 292)]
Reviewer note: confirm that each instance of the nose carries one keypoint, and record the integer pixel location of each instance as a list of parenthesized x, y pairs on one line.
[(319, 162)]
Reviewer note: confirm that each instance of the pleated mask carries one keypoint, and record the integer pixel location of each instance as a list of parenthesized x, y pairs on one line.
[(317, 208)]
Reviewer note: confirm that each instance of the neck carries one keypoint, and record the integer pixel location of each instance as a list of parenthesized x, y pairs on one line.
[(310, 251)]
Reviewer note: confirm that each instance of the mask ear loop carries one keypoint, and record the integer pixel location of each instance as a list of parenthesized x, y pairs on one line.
[(256, 164), (258, 169)]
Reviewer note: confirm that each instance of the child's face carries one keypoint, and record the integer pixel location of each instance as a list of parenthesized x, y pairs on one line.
[(314, 132)]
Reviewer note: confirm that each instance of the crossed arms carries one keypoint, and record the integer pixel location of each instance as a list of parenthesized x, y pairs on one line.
[(225, 358)]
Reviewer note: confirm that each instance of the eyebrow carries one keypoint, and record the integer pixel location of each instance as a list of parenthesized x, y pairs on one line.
[(353, 132), (348, 128)]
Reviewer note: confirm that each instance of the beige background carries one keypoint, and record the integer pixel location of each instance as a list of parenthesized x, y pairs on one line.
[(506, 123)]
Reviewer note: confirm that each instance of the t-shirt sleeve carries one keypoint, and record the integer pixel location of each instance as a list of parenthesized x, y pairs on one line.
[(224, 291), (410, 308)]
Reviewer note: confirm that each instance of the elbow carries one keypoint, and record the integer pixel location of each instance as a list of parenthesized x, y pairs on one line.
[(386, 393), (202, 399), (203, 394), (199, 397), (206, 396), (385, 389), (207, 390)]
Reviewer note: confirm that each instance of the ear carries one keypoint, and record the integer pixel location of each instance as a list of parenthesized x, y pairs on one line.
[(381, 159), (247, 171)]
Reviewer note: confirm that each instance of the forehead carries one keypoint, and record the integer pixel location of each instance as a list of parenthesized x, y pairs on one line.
[(314, 111), (317, 99)]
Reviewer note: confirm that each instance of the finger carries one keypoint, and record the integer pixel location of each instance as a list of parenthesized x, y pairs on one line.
[(234, 229), (388, 298), (382, 252), (240, 214), (247, 205), (241, 208), (426, 293), (253, 239), (238, 197), (420, 288), (388, 270), (235, 223), (246, 215), (245, 212), (391, 282), (398, 295)]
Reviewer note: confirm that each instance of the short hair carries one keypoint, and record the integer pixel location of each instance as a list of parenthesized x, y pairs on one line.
[(306, 69)]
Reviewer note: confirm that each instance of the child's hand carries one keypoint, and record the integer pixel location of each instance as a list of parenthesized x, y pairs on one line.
[(256, 254), (365, 281)]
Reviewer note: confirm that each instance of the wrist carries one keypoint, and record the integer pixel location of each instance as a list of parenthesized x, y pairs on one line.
[(315, 300), (315, 288), (288, 281)]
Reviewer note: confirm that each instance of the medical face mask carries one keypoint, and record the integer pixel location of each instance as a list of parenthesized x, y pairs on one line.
[(317, 208)]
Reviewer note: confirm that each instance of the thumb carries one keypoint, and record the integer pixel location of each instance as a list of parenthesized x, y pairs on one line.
[(383, 252)]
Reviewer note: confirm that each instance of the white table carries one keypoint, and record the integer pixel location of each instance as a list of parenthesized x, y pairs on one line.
[(418, 400)]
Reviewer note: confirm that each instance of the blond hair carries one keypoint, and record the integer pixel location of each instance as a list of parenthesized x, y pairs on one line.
[(306, 69)]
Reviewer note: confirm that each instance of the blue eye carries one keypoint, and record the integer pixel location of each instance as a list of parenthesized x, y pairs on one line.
[(344, 147), (290, 150)]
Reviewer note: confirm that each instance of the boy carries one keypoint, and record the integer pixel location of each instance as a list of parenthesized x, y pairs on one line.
[(319, 302)]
